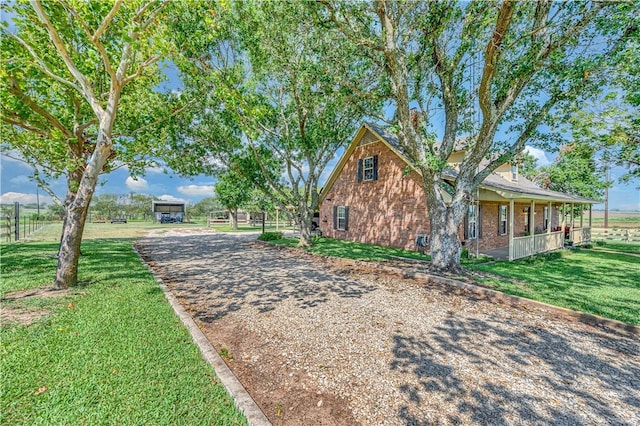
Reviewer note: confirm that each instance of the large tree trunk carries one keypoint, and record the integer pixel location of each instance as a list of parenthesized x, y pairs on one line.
[(444, 220), (233, 214), (445, 246), (69, 251), (304, 223)]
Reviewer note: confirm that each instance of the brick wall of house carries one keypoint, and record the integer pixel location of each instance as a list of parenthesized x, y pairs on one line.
[(389, 211)]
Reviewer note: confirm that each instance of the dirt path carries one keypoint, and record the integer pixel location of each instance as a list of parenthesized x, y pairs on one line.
[(323, 343)]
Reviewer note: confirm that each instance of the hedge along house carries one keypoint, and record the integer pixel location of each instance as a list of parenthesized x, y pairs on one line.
[(374, 196)]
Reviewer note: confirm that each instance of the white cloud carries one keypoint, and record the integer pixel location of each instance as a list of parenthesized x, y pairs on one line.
[(196, 190), (20, 180), (154, 169), (22, 198), (538, 154), (136, 184), (167, 197)]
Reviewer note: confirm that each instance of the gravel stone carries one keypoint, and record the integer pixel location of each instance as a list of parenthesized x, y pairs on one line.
[(335, 343)]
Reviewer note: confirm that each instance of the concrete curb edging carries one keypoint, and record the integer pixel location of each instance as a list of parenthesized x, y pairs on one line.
[(243, 401), (604, 324)]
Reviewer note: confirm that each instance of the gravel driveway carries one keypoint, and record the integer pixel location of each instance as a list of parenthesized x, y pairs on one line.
[(324, 342)]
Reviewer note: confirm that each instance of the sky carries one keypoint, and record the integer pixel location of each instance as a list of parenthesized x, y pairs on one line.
[(16, 184)]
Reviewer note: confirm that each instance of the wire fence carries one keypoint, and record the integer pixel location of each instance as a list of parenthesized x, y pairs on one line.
[(16, 226)]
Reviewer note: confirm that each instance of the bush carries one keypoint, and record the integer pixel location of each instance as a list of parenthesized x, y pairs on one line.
[(601, 243), (464, 254), (270, 236)]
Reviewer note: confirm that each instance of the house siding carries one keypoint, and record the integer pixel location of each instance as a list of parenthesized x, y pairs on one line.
[(389, 211)]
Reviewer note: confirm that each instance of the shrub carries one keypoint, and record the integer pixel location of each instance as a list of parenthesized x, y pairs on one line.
[(464, 254), (270, 236), (601, 243)]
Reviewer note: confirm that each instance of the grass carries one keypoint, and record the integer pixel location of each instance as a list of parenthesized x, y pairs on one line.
[(111, 352), (597, 282), (351, 250), (621, 247)]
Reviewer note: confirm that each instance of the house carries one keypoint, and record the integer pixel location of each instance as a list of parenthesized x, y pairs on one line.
[(374, 196)]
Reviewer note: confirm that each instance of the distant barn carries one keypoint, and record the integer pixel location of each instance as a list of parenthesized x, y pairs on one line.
[(169, 211)]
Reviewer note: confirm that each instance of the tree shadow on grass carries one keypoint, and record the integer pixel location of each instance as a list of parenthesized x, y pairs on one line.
[(549, 367), (223, 273)]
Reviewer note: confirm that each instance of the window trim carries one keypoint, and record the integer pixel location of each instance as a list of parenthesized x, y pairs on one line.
[(546, 218), (502, 230), (472, 235), (369, 169), (342, 209)]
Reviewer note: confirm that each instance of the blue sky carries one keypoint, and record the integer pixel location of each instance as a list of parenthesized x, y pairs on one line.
[(16, 185)]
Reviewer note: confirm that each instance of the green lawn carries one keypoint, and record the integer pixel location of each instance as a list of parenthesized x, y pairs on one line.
[(351, 250), (111, 352), (618, 246), (597, 282)]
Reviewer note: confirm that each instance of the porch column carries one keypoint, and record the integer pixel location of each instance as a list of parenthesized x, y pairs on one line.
[(564, 221), (572, 216), (549, 211), (581, 215), (590, 207), (532, 218), (511, 207)]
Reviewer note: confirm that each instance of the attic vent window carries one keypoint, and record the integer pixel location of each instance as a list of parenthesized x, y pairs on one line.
[(514, 172)]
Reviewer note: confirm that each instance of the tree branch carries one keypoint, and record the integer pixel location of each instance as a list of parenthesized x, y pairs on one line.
[(40, 64), (87, 90), (107, 21)]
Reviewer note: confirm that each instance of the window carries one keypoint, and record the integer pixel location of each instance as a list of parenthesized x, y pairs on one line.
[(526, 219), (514, 172), (368, 169), (502, 220), (341, 218), (472, 228), (546, 217)]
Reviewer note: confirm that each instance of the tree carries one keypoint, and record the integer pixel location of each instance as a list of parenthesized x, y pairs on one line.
[(574, 171), (286, 98), (71, 69), (483, 74), (204, 206), (232, 191)]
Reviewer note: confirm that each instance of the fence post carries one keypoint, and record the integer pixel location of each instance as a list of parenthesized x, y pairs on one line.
[(8, 228)]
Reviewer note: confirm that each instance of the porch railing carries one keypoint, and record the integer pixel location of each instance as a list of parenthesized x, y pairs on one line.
[(580, 236), (539, 243)]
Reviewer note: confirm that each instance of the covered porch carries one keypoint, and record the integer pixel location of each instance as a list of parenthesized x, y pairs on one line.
[(539, 221), (572, 231)]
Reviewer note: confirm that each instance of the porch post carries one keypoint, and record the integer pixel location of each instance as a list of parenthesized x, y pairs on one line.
[(581, 215), (549, 212), (564, 219), (511, 207), (573, 220), (590, 207), (532, 219)]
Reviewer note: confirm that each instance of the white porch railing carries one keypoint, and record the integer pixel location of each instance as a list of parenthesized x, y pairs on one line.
[(580, 236), (539, 243)]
